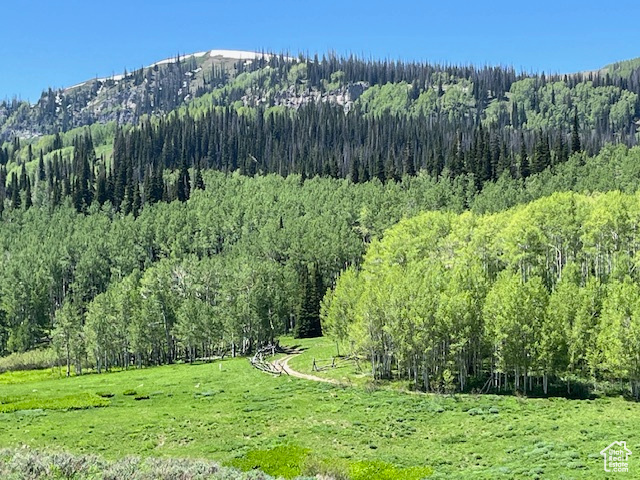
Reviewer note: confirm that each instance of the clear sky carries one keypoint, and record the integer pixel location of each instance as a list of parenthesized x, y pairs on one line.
[(54, 44)]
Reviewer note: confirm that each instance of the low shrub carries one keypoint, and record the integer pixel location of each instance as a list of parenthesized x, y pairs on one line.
[(291, 461), (27, 464), (333, 469), (31, 360)]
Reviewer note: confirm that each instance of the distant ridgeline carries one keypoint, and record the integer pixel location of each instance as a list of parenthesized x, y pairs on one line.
[(338, 117)]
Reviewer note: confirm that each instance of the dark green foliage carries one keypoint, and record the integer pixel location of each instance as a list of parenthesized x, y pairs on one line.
[(183, 185), (28, 200), (198, 181), (312, 291), (15, 192), (575, 133), (405, 117)]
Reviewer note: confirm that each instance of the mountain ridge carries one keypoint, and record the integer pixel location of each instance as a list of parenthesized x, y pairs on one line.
[(458, 98)]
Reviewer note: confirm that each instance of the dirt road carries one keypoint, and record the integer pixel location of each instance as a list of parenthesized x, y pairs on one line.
[(282, 364)]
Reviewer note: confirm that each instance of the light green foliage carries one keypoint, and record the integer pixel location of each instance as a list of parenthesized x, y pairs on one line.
[(519, 292), (384, 471), (285, 461), (336, 81), (233, 254), (623, 69), (614, 168), (426, 103), (619, 332), (39, 402), (68, 335), (338, 303), (388, 98), (514, 312), (457, 101), (551, 105), (41, 358), (275, 225), (297, 74)]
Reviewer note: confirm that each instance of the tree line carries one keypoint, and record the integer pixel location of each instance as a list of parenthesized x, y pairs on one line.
[(274, 245)]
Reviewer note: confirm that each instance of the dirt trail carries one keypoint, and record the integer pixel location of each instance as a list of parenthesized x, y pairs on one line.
[(282, 364)]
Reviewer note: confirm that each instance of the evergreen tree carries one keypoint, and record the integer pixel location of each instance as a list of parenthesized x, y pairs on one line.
[(408, 162), (541, 156), (15, 192), (183, 183), (28, 202), (354, 172), (41, 171), (308, 322), (524, 160), (198, 181), (575, 133), (137, 201)]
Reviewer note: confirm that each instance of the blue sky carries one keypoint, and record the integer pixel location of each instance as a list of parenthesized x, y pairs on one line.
[(55, 44)]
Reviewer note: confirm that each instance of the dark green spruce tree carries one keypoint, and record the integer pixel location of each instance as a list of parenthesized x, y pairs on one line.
[(308, 323), (575, 134)]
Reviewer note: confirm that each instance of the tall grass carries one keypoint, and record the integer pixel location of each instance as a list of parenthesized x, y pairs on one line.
[(31, 360)]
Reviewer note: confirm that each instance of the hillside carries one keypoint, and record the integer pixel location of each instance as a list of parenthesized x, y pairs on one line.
[(606, 100), (111, 139), (387, 139), (239, 258), (124, 98)]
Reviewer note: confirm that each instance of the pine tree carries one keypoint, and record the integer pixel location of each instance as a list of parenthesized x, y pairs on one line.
[(183, 183), (15, 192), (541, 155), (575, 133), (198, 181), (524, 160), (101, 186), (137, 201), (41, 171), (23, 178), (308, 323), (379, 169), (28, 202), (354, 171), (408, 162)]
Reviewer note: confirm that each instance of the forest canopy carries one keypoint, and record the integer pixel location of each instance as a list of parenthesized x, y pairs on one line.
[(544, 291)]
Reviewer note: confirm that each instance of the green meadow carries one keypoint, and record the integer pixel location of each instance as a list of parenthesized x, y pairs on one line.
[(228, 412)]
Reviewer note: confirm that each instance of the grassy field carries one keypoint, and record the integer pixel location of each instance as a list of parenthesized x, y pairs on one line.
[(229, 412)]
